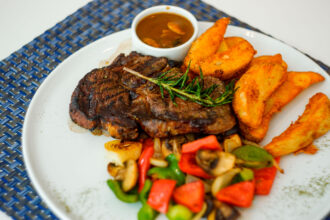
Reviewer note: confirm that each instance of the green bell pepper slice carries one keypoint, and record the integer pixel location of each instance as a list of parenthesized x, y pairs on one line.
[(120, 194), (171, 172), (143, 195), (146, 212), (253, 157)]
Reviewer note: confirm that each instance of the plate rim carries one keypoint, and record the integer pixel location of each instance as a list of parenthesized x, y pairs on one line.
[(58, 212)]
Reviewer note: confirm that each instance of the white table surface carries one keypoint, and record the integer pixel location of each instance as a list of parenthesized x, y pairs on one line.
[(304, 24)]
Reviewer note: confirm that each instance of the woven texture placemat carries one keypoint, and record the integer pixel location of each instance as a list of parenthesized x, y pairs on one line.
[(23, 71)]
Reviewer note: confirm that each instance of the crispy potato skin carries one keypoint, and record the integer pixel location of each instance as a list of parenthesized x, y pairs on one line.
[(207, 44), (255, 134), (310, 149), (295, 83), (277, 58), (227, 64), (313, 123), (221, 57), (255, 86)]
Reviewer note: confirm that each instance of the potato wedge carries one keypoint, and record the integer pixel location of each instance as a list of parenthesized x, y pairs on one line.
[(223, 46), (221, 57), (255, 134), (313, 123), (207, 44), (255, 87), (295, 83), (310, 149), (228, 63), (277, 58)]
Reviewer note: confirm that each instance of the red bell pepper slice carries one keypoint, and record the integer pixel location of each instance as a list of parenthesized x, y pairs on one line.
[(264, 178), (188, 164), (209, 142), (239, 194), (144, 161), (190, 195), (160, 194)]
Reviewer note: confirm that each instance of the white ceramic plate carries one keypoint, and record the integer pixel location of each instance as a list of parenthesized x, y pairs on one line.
[(68, 168)]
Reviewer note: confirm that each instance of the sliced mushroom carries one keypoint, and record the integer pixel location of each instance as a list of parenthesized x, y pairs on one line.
[(222, 211), (210, 206), (172, 146), (158, 162), (232, 142), (223, 180), (179, 140), (150, 42), (119, 152), (131, 175), (167, 149), (225, 211), (167, 34), (175, 28), (157, 148), (215, 162), (117, 172)]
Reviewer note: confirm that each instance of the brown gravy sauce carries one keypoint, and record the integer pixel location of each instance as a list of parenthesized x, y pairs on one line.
[(164, 30)]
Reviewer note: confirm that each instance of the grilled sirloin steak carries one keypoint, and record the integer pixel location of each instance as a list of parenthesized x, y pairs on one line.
[(114, 100)]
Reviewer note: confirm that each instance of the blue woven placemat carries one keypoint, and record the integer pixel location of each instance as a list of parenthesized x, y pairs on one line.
[(23, 71)]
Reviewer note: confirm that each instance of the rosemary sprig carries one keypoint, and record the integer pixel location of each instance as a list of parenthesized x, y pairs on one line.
[(193, 91)]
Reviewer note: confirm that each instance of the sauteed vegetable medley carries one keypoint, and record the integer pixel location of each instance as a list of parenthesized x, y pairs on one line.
[(187, 179)]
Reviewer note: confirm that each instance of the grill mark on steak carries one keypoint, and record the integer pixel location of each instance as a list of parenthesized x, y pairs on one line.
[(122, 103)]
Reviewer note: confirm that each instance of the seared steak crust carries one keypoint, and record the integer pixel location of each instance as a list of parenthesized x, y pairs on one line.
[(117, 101)]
